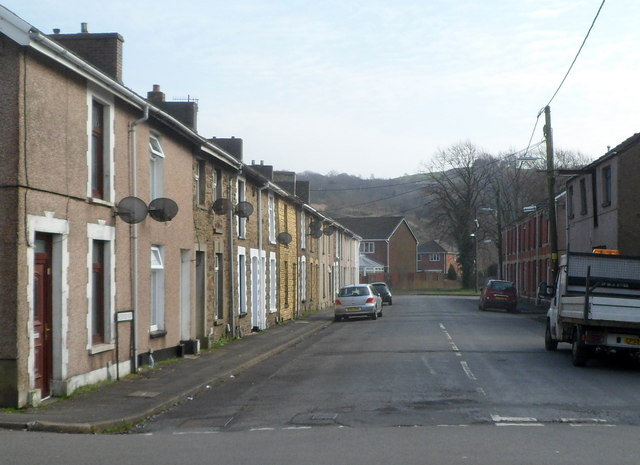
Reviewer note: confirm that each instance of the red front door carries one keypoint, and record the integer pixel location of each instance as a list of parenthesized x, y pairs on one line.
[(42, 314)]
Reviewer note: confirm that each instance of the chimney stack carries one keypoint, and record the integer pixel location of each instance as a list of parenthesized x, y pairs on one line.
[(155, 96), (104, 51), (186, 112)]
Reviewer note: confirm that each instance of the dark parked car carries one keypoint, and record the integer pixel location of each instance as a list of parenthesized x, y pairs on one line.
[(358, 300), (499, 294), (384, 292)]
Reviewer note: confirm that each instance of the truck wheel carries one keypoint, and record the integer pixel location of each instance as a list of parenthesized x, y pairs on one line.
[(579, 350), (549, 343)]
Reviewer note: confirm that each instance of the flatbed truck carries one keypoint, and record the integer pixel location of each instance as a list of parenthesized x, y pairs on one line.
[(595, 305)]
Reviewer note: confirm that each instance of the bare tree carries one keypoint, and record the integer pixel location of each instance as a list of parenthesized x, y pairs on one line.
[(458, 179)]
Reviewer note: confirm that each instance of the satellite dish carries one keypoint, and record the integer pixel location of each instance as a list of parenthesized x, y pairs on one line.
[(163, 209), (221, 206), (132, 210), (329, 230), (244, 209), (316, 233), (315, 225), (284, 238)]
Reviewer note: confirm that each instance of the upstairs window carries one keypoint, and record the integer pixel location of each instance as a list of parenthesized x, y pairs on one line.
[(606, 186), (242, 222), (100, 163), (583, 197), (272, 218), (303, 230), (570, 202), (97, 150), (201, 183), (367, 247), (217, 184), (157, 167)]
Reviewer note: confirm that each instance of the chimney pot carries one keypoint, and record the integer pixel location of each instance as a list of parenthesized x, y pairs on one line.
[(84, 28), (56, 30), (156, 87)]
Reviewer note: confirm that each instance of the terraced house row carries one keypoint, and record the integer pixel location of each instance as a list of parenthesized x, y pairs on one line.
[(125, 236)]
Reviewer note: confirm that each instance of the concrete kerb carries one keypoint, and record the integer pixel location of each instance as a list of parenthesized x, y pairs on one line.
[(127, 422)]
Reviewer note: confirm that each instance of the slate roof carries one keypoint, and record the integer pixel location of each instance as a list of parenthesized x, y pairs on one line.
[(436, 247), (372, 228)]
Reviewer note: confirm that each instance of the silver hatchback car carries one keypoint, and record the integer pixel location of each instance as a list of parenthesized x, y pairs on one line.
[(358, 300)]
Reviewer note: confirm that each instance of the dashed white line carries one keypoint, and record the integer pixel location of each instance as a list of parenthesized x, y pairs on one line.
[(182, 433), (426, 364), (467, 370), (498, 418)]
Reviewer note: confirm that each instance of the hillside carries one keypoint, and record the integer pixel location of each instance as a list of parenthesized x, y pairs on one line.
[(339, 195)]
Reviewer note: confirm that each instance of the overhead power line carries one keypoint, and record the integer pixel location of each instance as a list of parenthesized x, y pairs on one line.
[(373, 201), (576, 57), (382, 186), (566, 74)]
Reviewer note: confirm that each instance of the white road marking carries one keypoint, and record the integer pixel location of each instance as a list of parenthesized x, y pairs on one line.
[(467, 370), (426, 364), (182, 433), (519, 424), (498, 418)]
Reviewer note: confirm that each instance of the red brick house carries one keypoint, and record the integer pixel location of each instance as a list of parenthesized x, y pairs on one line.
[(437, 257), (389, 241)]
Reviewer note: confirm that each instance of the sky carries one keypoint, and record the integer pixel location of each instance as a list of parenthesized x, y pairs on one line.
[(375, 88)]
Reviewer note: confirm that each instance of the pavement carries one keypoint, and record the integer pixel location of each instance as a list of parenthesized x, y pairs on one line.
[(117, 406)]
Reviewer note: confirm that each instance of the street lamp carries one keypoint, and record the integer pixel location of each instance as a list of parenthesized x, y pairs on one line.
[(475, 256), (496, 211)]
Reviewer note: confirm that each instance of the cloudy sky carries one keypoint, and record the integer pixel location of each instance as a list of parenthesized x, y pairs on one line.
[(376, 87)]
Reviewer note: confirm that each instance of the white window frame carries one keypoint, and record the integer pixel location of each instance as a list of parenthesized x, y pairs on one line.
[(271, 206), (242, 281), (156, 174), (368, 246), (303, 279), (273, 283), (303, 230), (106, 100), (241, 195), (157, 302), (107, 234)]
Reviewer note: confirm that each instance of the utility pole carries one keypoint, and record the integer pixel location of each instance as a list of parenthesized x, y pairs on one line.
[(553, 228), (499, 239)]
